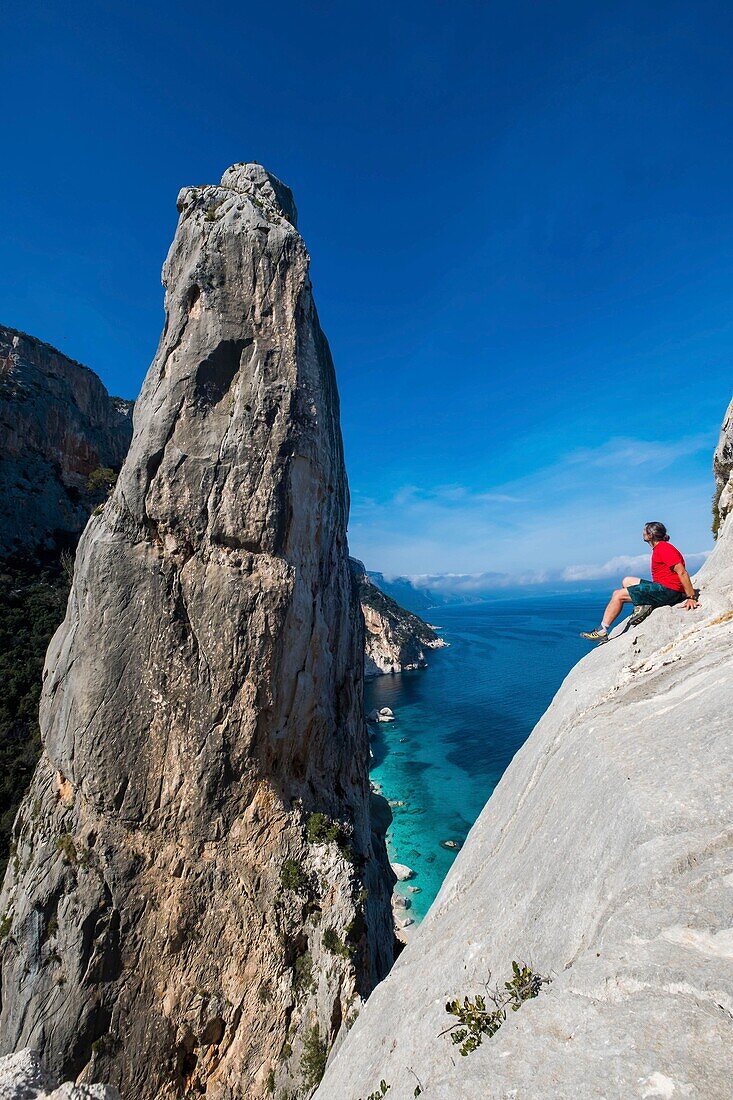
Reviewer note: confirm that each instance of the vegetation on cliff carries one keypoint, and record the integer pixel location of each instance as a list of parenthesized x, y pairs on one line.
[(32, 603)]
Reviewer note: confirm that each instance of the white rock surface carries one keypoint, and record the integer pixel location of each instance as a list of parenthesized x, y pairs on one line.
[(22, 1077), (603, 859)]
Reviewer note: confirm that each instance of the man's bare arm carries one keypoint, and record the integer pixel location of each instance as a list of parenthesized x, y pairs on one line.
[(690, 602)]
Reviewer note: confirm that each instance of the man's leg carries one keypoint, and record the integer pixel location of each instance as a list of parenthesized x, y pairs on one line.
[(615, 604), (617, 601)]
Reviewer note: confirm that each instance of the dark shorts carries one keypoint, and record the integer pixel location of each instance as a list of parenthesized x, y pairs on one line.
[(654, 595)]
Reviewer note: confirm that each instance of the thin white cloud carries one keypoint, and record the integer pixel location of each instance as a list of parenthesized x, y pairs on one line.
[(624, 453), (623, 565)]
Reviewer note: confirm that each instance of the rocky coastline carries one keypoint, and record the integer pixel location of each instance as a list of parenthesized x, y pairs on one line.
[(395, 639)]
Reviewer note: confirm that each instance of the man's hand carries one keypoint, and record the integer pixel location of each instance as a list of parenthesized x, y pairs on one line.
[(691, 604)]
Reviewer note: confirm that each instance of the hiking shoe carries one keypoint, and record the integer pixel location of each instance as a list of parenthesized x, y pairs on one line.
[(640, 613), (598, 636)]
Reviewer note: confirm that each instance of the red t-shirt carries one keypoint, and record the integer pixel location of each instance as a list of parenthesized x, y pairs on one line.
[(664, 556)]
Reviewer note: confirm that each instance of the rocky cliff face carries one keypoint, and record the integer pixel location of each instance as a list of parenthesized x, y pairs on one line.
[(58, 425), (604, 859), (723, 470), (395, 639), (197, 901)]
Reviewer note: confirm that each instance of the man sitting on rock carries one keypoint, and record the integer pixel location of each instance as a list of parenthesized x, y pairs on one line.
[(670, 584)]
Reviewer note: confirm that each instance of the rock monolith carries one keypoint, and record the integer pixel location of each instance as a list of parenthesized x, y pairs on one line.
[(196, 901)]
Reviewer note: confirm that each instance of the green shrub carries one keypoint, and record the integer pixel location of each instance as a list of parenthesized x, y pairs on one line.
[(476, 1020), (333, 943), (320, 829), (716, 517), (313, 1060), (380, 1092), (102, 478), (303, 973), (65, 845), (32, 604), (5, 926), (293, 877)]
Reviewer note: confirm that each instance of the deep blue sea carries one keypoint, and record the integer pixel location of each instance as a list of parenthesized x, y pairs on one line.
[(460, 721)]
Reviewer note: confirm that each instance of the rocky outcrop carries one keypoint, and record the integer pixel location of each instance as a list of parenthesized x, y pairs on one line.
[(58, 427), (197, 901), (604, 860), (395, 639), (22, 1077), (723, 470)]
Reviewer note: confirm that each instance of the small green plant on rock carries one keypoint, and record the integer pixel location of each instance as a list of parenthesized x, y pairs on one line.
[(65, 845), (333, 943), (320, 829), (380, 1092), (293, 877), (303, 973), (210, 215), (101, 478), (475, 1019), (313, 1060), (5, 925)]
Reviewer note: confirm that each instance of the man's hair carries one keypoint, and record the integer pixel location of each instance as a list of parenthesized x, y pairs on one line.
[(656, 531)]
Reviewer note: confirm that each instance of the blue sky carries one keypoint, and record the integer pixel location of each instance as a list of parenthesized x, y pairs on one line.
[(521, 227)]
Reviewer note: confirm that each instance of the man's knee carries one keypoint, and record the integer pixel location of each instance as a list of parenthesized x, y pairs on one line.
[(620, 593), (627, 581)]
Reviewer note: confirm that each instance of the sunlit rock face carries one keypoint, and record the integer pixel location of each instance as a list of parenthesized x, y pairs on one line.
[(604, 860), (175, 920)]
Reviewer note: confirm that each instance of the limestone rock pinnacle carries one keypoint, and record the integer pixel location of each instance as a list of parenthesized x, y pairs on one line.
[(197, 901)]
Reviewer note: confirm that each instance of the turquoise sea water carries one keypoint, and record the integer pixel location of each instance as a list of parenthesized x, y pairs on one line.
[(460, 721)]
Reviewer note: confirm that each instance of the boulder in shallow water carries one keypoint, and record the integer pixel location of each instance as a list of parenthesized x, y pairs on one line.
[(402, 871)]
